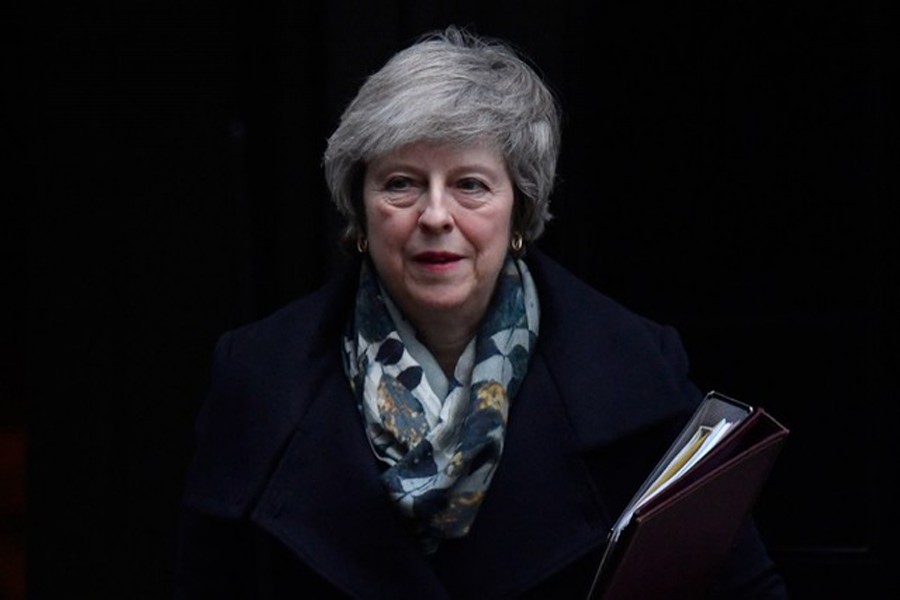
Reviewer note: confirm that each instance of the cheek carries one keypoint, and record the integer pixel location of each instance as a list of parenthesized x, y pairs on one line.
[(375, 222), (387, 229), (496, 231)]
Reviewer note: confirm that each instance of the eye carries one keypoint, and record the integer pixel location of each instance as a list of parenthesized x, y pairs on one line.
[(398, 184), (472, 185)]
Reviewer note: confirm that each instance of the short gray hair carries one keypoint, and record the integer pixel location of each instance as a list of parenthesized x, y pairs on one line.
[(451, 86)]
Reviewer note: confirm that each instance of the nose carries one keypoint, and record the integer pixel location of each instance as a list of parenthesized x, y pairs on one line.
[(436, 214)]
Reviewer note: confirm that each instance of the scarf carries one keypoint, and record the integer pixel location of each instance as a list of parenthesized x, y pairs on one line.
[(440, 447)]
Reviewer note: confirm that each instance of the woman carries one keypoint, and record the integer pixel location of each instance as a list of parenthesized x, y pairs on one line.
[(451, 416)]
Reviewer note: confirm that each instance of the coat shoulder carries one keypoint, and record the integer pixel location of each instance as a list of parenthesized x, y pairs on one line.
[(619, 372), (263, 377)]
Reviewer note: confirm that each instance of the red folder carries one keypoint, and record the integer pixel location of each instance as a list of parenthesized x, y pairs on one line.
[(673, 545)]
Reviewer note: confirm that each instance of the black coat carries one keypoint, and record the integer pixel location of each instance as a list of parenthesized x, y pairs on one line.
[(283, 497)]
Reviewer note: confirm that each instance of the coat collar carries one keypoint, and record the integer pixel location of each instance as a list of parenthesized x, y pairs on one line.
[(326, 503)]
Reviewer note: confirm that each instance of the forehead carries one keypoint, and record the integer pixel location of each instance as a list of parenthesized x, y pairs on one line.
[(429, 153)]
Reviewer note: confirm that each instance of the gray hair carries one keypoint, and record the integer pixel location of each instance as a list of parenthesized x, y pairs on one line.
[(451, 86)]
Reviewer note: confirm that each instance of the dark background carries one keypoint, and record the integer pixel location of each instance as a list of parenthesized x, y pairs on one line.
[(728, 167)]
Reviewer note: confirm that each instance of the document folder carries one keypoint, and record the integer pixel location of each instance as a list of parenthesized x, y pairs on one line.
[(678, 529)]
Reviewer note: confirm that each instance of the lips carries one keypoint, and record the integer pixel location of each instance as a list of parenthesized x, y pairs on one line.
[(437, 258)]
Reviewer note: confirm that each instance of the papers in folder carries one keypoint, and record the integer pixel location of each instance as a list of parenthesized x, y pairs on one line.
[(700, 443)]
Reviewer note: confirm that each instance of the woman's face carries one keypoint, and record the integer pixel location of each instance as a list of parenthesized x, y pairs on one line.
[(438, 224)]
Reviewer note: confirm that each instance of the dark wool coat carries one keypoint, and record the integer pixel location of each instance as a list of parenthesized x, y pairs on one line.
[(283, 498)]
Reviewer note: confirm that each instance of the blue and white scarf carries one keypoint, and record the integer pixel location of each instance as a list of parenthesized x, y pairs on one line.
[(440, 446)]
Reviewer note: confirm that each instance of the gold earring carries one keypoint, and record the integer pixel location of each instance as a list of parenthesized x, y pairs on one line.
[(516, 242), (362, 244)]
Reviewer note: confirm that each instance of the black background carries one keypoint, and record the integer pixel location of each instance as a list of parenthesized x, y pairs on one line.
[(728, 167)]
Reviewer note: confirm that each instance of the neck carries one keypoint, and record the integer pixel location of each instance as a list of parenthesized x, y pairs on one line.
[(446, 340), (447, 354)]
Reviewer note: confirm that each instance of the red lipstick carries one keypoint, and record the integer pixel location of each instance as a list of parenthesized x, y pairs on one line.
[(436, 257)]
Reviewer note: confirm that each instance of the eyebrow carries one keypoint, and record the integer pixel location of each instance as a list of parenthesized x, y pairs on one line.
[(401, 165)]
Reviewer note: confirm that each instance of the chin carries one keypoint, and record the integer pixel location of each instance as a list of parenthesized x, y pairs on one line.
[(440, 302)]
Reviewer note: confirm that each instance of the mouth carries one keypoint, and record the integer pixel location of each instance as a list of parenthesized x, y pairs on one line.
[(436, 258)]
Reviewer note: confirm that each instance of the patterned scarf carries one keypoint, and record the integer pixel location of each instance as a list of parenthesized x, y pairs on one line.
[(440, 452)]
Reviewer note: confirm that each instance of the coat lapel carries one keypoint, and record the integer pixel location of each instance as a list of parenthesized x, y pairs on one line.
[(540, 513), (326, 503)]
